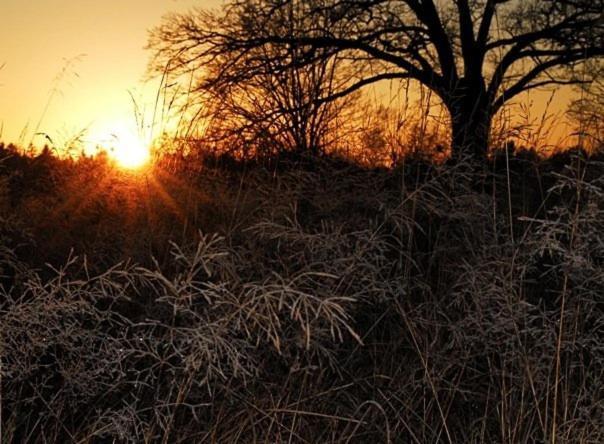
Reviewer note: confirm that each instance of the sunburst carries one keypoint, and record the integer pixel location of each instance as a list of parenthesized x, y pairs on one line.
[(130, 150)]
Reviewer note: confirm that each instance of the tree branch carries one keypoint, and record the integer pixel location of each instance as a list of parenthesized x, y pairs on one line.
[(361, 83), (466, 32), (427, 13), (525, 82), (427, 77)]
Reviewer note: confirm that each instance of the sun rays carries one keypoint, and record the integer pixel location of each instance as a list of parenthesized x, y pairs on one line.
[(124, 144)]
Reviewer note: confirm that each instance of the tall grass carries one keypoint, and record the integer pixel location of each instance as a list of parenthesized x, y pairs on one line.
[(323, 302)]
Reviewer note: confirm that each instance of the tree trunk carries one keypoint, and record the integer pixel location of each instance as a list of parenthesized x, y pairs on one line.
[(471, 125)]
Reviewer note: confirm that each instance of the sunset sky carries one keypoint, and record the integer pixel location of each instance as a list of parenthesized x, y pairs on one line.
[(69, 66), (99, 48)]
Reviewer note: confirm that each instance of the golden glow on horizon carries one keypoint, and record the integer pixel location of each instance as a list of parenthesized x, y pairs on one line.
[(123, 144), (131, 153)]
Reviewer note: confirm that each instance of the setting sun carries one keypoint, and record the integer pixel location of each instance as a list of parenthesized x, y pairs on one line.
[(130, 151), (124, 144)]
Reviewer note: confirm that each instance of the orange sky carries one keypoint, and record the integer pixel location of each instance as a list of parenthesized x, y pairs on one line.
[(98, 45), (37, 37)]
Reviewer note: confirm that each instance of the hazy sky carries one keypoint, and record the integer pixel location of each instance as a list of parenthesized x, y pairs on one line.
[(39, 37)]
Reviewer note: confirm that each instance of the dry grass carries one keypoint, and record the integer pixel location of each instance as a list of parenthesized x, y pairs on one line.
[(334, 304)]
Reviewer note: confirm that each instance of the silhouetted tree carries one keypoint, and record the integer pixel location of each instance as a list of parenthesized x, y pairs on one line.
[(476, 55), (587, 111), (277, 111), (268, 99)]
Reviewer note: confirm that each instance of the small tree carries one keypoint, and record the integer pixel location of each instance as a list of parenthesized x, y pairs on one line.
[(266, 100), (587, 111), (476, 55)]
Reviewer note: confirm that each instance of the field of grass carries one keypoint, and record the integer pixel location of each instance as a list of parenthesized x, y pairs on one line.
[(302, 301)]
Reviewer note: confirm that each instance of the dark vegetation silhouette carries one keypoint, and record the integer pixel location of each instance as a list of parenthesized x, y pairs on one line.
[(261, 283), (280, 110), (334, 303), (587, 110)]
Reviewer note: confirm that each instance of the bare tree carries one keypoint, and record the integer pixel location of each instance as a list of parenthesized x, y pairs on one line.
[(476, 55), (266, 100), (587, 111), (276, 111)]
